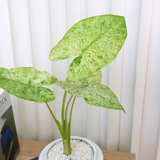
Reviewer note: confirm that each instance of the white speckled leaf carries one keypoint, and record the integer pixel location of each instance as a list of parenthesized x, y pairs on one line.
[(97, 77), (95, 41), (94, 93), (26, 82)]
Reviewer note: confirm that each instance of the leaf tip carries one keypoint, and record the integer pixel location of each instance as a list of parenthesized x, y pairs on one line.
[(124, 111)]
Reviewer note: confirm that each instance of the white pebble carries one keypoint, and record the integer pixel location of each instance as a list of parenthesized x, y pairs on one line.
[(80, 150)]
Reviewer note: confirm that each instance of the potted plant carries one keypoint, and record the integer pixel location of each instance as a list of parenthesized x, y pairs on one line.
[(95, 42)]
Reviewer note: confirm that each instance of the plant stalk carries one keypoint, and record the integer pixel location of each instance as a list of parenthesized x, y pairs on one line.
[(67, 147), (65, 129), (66, 140), (56, 121), (62, 114), (66, 113), (69, 123)]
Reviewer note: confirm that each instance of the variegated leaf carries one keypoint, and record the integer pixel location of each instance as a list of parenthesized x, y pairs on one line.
[(26, 82), (95, 41), (97, 77), (94, 93)]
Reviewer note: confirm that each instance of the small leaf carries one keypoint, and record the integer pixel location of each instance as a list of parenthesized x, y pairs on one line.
[(26, 82), (95, 41), (94, 93)]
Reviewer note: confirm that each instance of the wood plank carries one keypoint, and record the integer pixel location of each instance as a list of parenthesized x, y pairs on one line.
[(112, 155), (31, 149), (23, 157)]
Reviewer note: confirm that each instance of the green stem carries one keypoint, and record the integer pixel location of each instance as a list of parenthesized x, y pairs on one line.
[(66, 112), (72, 109), (62, 114), (56, 121), (67, 147), (66, 142), (69, 123), (51, 112)]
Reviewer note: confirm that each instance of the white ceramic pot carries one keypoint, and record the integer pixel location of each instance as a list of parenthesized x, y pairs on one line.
[(97, 151)]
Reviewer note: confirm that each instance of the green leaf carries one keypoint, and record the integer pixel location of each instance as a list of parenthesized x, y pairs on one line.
[(28, 75), (96, 77), (94, 93), (95, 41), (26, 82)]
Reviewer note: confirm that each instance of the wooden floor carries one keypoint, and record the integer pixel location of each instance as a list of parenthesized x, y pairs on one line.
[(31, 149)]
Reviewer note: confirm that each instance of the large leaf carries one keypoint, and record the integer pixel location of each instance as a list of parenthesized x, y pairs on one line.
[(97, 77), (95, 41), (94, 93), (26, 82)]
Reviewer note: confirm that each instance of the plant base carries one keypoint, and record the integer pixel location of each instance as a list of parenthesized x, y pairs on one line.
[(97, 151)]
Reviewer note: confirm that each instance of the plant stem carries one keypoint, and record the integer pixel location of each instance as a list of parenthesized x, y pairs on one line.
[(51, 112), (69, 123), (66, 142), (66, 113), (56, 121), (64, 129), (72, 109), (67, 147), (62, 114)]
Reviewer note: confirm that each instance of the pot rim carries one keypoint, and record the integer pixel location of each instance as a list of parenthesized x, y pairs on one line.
[(99, 154), (76, 138)]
